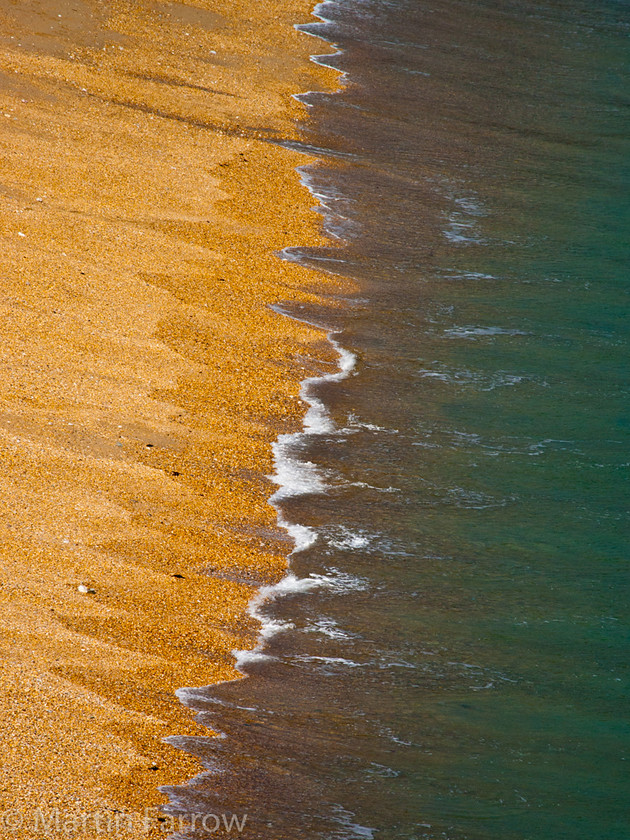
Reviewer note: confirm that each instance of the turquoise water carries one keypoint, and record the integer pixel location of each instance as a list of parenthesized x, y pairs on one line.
[(456, 664)]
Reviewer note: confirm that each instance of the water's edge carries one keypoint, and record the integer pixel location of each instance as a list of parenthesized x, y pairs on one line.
[(293, 476)]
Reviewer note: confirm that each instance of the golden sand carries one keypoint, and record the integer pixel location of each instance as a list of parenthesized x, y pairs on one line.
[(143, 376)]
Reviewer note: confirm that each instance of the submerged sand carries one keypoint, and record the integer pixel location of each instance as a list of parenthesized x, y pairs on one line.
[(143, 376)]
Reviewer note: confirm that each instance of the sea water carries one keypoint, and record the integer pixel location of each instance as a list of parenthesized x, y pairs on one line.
[(448, 656)]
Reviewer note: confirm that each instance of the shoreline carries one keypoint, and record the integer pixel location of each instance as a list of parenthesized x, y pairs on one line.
[(144, 377)]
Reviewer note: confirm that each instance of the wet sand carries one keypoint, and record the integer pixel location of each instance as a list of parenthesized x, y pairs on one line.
[(142, 375)]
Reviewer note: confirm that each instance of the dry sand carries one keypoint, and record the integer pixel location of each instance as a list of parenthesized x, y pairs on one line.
[(142, 375)]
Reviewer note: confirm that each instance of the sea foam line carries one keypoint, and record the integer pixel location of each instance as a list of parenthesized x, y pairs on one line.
[(295, 477)]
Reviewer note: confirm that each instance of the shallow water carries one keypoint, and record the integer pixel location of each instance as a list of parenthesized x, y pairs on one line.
[(449, 656)]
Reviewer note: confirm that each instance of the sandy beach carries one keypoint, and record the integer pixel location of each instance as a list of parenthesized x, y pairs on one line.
[(143, 376)]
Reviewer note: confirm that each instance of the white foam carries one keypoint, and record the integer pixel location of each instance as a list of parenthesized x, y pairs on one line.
[(329, 660), (289, 585), (188, 695), (348, 539), (293, 476), (333, 581), (327, 627), (472, 332), (337, 581), (317, 419), (303, 537), (296, 477), (367, 486), (193, 696), (250, 657), (355, 424)]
